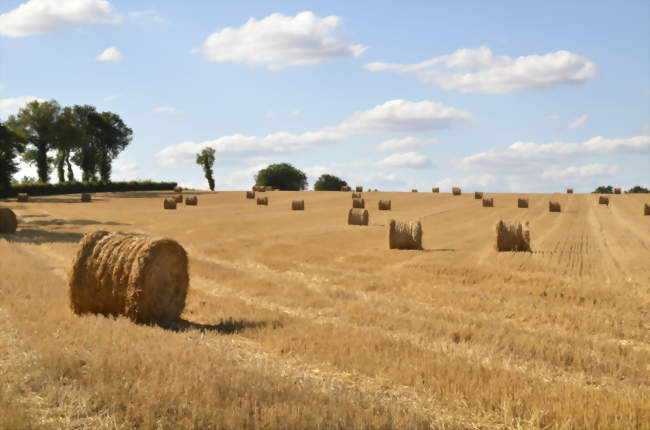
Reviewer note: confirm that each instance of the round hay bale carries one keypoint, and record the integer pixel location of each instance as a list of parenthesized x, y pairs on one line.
[(478, 195), (602, 200), (250, 194), (358, 217), (358, 203), (617, 191), (456, 191), (359, 189), (414, 190), (512, 237), (191, 201), (569, 190), (646, 209), (298, 205), (554, 206), (404, 235), (22, 197), (268, 188), (8, 221), (169, 203), (85, 197), (356, 195), (178, 189), (179, 198), (345, 188), (263, 201), (488, 202), (435, 189), (138, 277), (384, 205), (522, 203)]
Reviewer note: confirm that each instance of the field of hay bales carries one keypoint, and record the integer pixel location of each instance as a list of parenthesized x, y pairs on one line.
[(295, 319)]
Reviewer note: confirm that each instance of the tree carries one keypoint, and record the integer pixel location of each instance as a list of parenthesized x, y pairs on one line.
[(111, 136), (206, 159), (10, 146), (282, 176), (329, 183), (68, 139), (36, 123), (604, 190), (85, 119), (638, 189)]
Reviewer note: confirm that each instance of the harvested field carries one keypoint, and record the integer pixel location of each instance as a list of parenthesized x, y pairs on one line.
[(295, 321)]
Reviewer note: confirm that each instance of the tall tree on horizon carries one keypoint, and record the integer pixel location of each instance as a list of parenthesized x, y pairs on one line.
[(206, 159)]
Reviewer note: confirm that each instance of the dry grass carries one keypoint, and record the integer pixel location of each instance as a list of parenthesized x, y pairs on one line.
[(191, 201), (298, 205), (86, 197), (404, 234), (512, 237), (263, 201), (22, 197), (8, 221), (602, 200), (358, 203), (478, 195), (358, 217), (522, 203), (169, 203), (384, 205), (554, 206), (435, 189), (456, 191), (488, 202)]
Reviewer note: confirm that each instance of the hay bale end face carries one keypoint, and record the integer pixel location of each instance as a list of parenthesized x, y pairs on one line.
[(617, 191), (569, 190), (478, 195), (298, 205), (169, 203), (512, 237), (358, 217), (22, 197), (646, 209), (602, 200), (488, 202), (8, 221), (250, 194), (191, 201), (263, 201), (138, 277), (358, 203), (359, 189), (456, 191), (384, 205), (85, 197), (435, 189), (522, 203), (178, 189), (356, 195), (404, 235), (554, 207)]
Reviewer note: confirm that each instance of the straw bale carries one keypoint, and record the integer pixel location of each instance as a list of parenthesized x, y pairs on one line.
[(384, 205), (22, 197), (617, 191), (358, 203), (358, 217), (345, 188), (179, 198), (488, 202), (8, 221), (522, 203), (404, 235), (359, 189), (250, 194), (478, 195), (646, 209), (554, 206), (414, 190), (602, 200), (456, 191), (569, 190), (141, 278), (85, 197), (268, 188), (191, 201), (512, 237), (263, 201), (178, 189), (356, 195), (298, 205), (435, 189), (169, 203)]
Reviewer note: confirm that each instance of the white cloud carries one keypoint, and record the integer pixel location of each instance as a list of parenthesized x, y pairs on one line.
[(149, 13), (466, 181), (479, 71), (279, 41), (412, 160), (11, 105), (167, 109), (45, 16), (578, 121), (580, 171), (111, 97), (552, 117), (408, 142), (109, 54), (645, 129)]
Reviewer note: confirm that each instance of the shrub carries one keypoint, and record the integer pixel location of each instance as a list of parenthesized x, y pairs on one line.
[(282, 176), (329, 183), (42, 189)]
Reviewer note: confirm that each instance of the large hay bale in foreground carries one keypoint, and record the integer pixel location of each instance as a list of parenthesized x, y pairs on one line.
[(646, 209), (617, 191), (250, 194), (602, 200), (384, 205), (358, 203), (512, 237), (488, 202), (522, 203), (169, 203), (178, 189), (404, 235), (435, 189), (85, 197), (569, 190), (345, 188), (8, 221), (554, 207), (359, 189), (191, 201), (358, 217), (22, 197), (456, 191), (478, 195), (179, 198), (298, 205), (138, 277), (263, 201), (414, 190)]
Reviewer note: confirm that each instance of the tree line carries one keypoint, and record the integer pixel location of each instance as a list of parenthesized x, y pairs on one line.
[(54, 138)]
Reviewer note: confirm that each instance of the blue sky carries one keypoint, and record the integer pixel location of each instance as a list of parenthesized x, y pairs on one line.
[(496, 96)]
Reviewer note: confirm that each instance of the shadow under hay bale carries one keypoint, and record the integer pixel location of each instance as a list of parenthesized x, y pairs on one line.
[(646, 209), (522, 203), (384, 205), (250, 194), (169, 203), (512, 237), (178, 189), (554, 207), (456, 191), (435, 189), (359, 189), (478, 195), (191, 201), (141, 278), (569, 190), (85, 197), (8, 221), (358, 217), (488, 202), (358, 203), (617, 191), (179, 198), (404, 235), (298, 205), (22, 197), (602, 200), (345, 188), (263, 201)]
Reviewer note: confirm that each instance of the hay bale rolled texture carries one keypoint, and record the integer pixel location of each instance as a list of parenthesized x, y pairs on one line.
[(554, 207), (358, 203), (345, 188), (478, 195), (250, 194), (617, 191), (178, 189), (522, 203), (141, 278), (169, 203), (488, 202), (85, 197), (646, 209), (356, 195), (404, 235), (384, 205), (298, 205), (191, 201), (435, 189), (358, 217), (359, 189), (179, 198), (22, 197), (8, 221), (569, 190), (512, 237), (602, 200), (263, 201), (456, 191)]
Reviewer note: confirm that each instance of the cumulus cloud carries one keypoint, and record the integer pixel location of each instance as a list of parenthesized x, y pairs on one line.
[(480, 71), (411, 160), (109, 54), (167, 109), (46, 16), (111, 97), (11, 105), (149, 13), (580, 171), (578, 121), (408, 142), (279, 41)]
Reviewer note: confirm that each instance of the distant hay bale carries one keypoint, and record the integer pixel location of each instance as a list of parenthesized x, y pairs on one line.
[(358, 217), (298, 205), (602, 200), (85, 197), (263, 201), (554, 207), (522, 203), (8, 221), (569, 190), (259, 188), (488, 202), (414, 190), (646, 209), (478, 195), (358, 203), (435, 189), (179, 198), (356, 195), (178, 189), (141, 278), (456, 191), (617, 191), (359, 189), (345, 188), (22, 197), (268, 188), (169, 203), (404, 235), (191, 201), (512, 237), (384, 205), (250, 194)]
